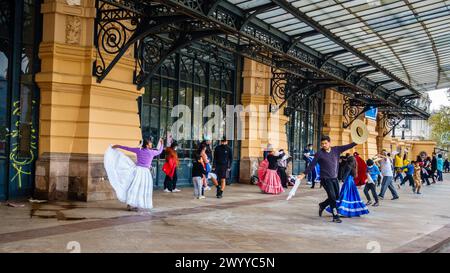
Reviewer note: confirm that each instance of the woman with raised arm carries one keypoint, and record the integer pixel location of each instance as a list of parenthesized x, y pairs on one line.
[(132, 182)]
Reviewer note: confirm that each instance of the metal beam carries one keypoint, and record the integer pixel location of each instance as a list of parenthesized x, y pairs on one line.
[(306, 19), (269, 44)]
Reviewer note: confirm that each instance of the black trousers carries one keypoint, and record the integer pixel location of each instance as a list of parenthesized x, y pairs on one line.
[(410, 178), (425, 178), (331, 186), (283, 176), (431, 174), (171, 184), (371, 187)]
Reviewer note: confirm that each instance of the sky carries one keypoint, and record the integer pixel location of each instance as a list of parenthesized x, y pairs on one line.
[(438, 98)]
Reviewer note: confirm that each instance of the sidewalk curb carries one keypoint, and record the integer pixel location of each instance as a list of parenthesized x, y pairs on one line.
[(429, 243)]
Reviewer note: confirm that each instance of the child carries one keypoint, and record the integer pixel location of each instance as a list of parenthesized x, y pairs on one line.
[(410, 168), (372, 175), (440, 167), (417, 177), (198, 173)]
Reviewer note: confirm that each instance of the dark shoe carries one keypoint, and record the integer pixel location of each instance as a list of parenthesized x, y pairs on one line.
[(376, 204), (219, 189), (369, 203), (337, 219), (220, 193), (394, 198), (321, 211), (130, 208), (381, 197)]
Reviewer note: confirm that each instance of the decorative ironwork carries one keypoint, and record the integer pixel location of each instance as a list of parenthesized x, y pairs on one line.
[(278, 86), (240, 33), (389, 122), (353, 111), (154, 50), (113, 27)]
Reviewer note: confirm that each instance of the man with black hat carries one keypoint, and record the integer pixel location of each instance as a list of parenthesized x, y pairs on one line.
[(222, 164)]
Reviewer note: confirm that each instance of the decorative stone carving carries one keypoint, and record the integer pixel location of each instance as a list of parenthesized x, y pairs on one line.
[(335, 110), (259, 90), (259, 67), (73, 2), (73, 30)]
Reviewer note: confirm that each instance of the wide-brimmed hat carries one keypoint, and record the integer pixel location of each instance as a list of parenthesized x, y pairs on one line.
[(269, 148), (359, 132)]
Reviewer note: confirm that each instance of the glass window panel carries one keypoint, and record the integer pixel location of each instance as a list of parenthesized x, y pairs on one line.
[(164, 92), (215, 76), (171, 93), (155, 92), (145, 119), (182, 93), (154, 114), (163, 123), (186, 68), (28, 22), (200, 73), (3, 99), (211, 96), (189, 96), (270, 13), (146, 95)]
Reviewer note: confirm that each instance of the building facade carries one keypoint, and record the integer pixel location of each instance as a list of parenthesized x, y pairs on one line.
[(57, 118)]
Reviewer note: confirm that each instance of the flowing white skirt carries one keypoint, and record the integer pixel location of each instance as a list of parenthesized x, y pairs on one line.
[(133, 184)]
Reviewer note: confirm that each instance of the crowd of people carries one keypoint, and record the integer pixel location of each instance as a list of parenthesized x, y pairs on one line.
[(133, 182), (381, 171)]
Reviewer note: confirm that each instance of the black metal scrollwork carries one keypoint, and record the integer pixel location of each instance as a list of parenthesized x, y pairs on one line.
[(353, 111), (389, 122), (114, 27)]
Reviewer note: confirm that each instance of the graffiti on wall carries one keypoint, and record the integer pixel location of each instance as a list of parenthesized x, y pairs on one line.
[(18, 161)]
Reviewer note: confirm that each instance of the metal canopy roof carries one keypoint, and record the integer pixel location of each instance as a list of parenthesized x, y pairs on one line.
[(408, 38), (382, 53)]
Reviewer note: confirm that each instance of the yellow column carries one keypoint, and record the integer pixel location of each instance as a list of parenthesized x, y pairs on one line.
[(333, 119), (256, 93), (79, 117)]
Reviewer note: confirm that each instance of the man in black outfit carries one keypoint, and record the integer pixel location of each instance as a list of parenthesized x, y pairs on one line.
[(433, 167), (328, 159), (222, 164), (307, 152)]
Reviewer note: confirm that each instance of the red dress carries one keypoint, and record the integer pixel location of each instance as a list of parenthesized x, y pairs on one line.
[(362, 171), (269, 181), (169, 167)]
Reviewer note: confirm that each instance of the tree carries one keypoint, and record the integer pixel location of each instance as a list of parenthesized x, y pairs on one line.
[(440, 126)]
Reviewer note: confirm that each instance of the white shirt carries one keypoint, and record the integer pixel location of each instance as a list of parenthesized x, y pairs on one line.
[(386, 167)]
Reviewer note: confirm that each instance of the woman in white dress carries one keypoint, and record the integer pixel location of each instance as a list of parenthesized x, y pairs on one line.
[(132, 182)]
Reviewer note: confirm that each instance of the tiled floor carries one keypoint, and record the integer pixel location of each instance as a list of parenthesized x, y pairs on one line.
[(243, 221)]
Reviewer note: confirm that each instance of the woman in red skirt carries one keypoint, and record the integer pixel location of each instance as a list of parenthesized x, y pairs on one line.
[(269, 181)]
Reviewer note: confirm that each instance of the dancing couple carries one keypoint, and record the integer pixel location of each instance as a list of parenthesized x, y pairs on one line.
[(268, 172), (346, 202)]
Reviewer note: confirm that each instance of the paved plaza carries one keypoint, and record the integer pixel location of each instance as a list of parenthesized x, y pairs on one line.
[(243, 221)]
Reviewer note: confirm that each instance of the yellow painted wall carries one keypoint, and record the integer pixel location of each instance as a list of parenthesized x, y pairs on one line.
[(79, 115), (256, 92)]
